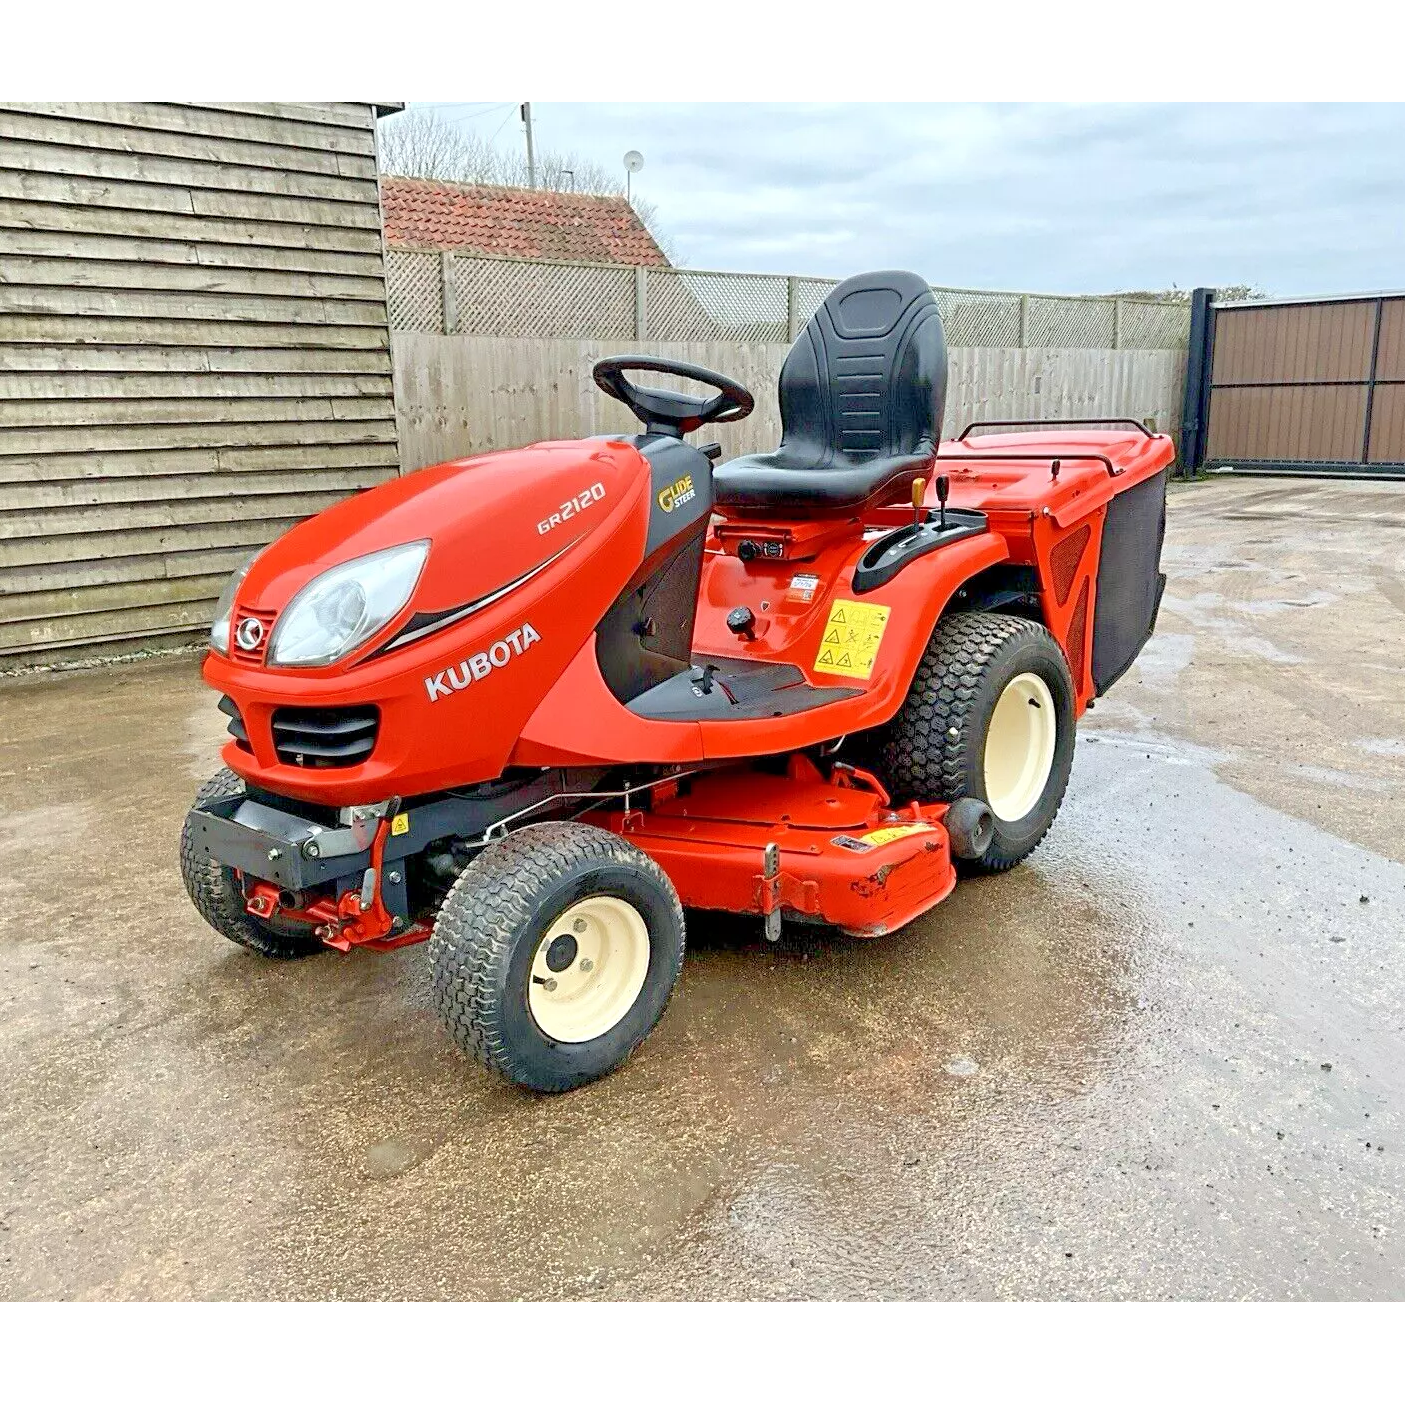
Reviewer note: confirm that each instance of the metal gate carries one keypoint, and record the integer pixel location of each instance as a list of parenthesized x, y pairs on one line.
[(1313, 386)]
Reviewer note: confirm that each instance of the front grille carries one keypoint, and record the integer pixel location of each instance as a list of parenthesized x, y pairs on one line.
[(236, 728), (325, 736), (255, 655)]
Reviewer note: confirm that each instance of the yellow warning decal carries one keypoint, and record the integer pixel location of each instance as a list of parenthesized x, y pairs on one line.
[(400, 824), (852, 635), (877, 838)]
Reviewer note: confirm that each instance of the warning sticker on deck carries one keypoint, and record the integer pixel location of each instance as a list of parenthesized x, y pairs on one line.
[(851, 638), (877, 838)]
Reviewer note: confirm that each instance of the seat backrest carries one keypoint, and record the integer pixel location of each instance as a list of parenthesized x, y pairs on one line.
[(867, 377)]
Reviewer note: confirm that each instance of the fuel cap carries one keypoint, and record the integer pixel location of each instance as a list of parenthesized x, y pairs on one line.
[(742, 621)]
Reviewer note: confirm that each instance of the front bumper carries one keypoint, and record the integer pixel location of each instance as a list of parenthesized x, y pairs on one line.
[(279, 847), (257, 835)]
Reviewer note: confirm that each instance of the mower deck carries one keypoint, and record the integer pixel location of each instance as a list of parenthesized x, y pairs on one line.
[(832, 851)]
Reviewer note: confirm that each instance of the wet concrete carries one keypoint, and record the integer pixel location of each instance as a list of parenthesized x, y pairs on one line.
[(1163, 1059)]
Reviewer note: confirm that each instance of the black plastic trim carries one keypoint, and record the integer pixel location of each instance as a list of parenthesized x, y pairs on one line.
[(1011, 424), (889, 554), (334, 736), (734, 690), (236, 728), (997, 455)]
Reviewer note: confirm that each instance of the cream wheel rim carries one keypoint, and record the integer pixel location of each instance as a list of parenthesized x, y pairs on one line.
[(1019, 747), (588, 970)]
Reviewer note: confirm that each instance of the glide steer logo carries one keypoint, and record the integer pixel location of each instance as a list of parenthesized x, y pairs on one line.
[(677, 493), (497, 655)]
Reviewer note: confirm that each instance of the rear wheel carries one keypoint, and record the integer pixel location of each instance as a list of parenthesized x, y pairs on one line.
[(555, 954), (219, 899), (990, 714)]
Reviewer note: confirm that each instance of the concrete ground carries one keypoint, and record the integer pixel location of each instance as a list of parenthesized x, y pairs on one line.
[(1164, 1059)]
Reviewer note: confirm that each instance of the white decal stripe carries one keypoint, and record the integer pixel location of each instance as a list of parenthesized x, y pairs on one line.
[(475, 606)]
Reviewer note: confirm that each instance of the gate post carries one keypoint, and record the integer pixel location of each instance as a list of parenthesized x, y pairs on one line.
[(448, 303), (1195, 408), (1371, 384), (641, 303)]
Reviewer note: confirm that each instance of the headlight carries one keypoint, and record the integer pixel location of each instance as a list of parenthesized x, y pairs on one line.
[(224, 606), (342, 608)]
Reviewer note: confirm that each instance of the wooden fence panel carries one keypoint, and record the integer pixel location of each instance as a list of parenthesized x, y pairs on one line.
[(466, 395)]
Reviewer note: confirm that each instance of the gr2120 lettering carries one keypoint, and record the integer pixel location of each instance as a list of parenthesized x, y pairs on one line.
[(595, 493)]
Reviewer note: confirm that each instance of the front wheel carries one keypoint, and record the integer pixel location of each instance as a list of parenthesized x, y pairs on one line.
[(555, 954), (990, 714), (219, 897)]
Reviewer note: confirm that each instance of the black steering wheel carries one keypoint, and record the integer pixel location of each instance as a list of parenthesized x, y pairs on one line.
[(670, 411)]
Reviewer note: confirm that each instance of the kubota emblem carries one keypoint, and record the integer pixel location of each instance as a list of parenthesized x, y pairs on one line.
[(249, 634)]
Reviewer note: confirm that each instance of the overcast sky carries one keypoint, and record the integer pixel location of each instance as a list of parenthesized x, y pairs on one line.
[(1077, 198)]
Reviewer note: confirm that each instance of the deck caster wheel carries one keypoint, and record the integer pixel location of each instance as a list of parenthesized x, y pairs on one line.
[(989, 717), (555, 954), (970, 824)]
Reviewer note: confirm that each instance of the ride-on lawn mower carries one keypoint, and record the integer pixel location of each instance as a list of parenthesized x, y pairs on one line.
[(531, 705)]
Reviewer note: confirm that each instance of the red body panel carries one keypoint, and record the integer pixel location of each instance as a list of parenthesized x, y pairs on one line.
[(1052, 524), (490, 519), (581, 720)]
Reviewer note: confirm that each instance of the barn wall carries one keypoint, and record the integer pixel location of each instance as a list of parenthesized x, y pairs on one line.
[(193, 354)]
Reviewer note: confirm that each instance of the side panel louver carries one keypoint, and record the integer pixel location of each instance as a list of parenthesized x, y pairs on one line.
[(236, 727)]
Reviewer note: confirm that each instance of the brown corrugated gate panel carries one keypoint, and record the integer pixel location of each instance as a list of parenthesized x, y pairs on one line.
[(1319, 423), (1390, 359), (1388, 424), (1298, 342)]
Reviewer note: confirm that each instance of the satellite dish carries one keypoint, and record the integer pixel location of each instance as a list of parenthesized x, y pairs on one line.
[(633, 162)]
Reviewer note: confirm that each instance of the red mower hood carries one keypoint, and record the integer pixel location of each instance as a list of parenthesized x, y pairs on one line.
[(487, 519)]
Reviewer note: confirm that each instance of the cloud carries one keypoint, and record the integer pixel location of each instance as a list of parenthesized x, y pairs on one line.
[(1061, 198)]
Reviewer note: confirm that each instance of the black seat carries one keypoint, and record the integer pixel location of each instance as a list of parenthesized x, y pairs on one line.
[(862, 394)]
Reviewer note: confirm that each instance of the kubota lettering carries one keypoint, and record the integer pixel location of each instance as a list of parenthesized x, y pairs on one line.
[(478, 666)]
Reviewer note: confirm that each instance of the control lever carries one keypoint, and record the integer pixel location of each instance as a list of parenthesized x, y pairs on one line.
[(919, 491), (943, 492)]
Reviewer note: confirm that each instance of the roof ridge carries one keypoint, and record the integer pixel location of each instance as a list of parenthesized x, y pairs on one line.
[(515, 189)]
